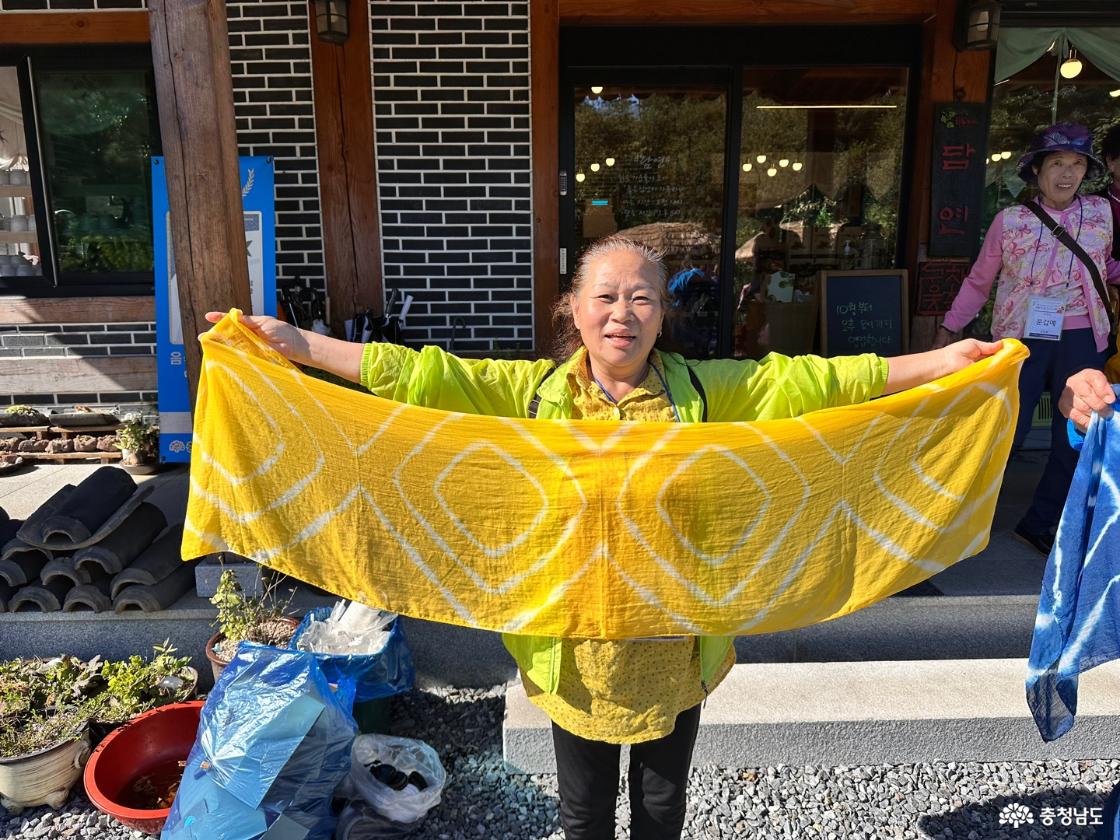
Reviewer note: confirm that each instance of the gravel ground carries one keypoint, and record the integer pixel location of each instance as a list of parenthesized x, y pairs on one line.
[(959, 801)]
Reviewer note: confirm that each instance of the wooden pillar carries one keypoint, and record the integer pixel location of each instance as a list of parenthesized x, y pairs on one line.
[(947, 76), (544, 98), (343, 90), (190, 52)]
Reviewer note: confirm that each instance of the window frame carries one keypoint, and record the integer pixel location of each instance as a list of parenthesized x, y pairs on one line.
[(53, 282), (588, 53)]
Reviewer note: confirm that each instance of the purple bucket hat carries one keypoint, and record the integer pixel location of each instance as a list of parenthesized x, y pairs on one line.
[(1061, 137)]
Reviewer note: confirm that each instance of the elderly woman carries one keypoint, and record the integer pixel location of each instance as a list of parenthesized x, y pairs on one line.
[(601, 694), (1047, 296)]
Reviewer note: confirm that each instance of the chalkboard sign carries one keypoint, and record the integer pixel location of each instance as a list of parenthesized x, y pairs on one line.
[(864, 312), (960, 133)]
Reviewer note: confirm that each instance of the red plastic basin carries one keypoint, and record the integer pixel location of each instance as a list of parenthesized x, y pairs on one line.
[(142, 746)]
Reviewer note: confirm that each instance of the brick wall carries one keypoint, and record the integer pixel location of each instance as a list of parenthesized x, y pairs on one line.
[(68, 5), (270, 58), (451, 116), (57, 341)]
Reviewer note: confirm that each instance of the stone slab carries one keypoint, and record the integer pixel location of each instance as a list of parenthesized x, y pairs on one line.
[(858, 713)]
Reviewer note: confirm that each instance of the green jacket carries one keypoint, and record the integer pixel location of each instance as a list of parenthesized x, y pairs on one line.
[(775, 388)]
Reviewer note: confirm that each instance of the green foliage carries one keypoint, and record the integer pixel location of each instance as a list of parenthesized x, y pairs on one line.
[(136, 685), (245, 618), (100, 252), (137, 434), (46, 702)]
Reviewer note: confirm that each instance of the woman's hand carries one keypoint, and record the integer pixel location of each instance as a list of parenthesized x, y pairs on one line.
[(920, 368), (342, 358), (1086, 392), (944, 337), (290, 342)]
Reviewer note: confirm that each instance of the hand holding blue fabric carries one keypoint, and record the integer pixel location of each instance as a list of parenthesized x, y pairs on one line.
[(1076, 627)]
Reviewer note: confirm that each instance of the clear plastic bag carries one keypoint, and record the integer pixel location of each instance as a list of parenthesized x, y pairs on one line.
[(375, 676), (406, 756)]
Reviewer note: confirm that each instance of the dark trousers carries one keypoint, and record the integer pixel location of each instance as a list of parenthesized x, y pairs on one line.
[(1050, 364), (587, 775)]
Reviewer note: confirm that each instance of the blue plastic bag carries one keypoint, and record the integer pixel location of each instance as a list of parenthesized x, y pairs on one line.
[(273, 743), (375, 676)]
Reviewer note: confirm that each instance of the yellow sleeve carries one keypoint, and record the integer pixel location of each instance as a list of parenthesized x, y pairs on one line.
[(782, 386), (434, 378)]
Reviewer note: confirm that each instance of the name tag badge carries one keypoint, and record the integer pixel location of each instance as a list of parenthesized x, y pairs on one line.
[(1043, 319)]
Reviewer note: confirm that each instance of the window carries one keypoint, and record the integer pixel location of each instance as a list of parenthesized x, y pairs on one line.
[(89, 129)]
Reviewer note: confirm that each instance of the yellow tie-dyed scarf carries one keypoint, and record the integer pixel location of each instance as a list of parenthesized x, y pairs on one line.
[(588, 528)]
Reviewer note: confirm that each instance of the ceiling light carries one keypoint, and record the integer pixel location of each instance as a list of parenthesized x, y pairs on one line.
[(761, 158), (771, 171), (609, 161), (594, 167), (580, 177), (784, 162), (1114, 93), (996, 157), (747, 167), (1005, 155), (797, 166), (596, 89), (1071, 67)]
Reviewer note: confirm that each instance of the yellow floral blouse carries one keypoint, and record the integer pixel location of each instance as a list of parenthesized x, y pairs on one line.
[(624, 692)]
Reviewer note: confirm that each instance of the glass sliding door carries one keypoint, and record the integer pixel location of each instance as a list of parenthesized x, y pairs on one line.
[(649, 163), (820, 168)]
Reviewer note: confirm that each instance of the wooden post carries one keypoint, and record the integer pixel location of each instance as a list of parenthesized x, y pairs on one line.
[(947, 76), (190, 52), (544, 101), (347, 177)]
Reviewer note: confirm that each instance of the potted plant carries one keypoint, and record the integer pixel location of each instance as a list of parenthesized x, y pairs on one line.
[(50, 711), (137, 685), (139, 441), (241, 617), (44, 735), (22, 416)]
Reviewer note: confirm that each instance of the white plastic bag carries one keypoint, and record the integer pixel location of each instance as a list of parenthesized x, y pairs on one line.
[(407, 756)]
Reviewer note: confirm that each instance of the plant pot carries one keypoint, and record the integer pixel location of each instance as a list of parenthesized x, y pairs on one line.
[(44, 777), (217, 663), (149, 745)]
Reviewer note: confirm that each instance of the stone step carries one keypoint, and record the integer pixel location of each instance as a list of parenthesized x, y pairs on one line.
[(859, 713)]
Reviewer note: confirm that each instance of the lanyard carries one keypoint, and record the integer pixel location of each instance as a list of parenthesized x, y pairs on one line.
[(664, 384)]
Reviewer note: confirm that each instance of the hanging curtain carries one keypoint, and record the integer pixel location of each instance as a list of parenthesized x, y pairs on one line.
[(1021, 47)]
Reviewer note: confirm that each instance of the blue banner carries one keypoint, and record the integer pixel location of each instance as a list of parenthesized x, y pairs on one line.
[(258, 206)]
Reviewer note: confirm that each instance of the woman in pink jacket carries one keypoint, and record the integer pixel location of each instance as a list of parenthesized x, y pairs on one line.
[(1048, 296)]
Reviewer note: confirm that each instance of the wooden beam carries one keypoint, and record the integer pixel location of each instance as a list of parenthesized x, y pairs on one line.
[(77, 310), (742, 12), (62, 28), (190, 52), (544, 97), (347, 175), (947, 76), (89, 375)]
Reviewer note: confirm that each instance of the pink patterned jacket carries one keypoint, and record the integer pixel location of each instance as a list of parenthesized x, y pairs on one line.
[(1028, 260)]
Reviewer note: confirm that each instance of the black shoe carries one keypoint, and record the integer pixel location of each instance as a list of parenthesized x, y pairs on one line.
[(1041, 542)]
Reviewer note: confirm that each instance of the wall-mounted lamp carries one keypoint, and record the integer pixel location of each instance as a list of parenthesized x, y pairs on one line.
[(977, 24), (1072, 66), (332, 20)]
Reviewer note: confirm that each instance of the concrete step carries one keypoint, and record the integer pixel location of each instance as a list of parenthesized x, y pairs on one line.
[(859, 713)]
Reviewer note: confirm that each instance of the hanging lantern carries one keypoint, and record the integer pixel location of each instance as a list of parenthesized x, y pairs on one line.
[(332, 20), (978, 24)]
